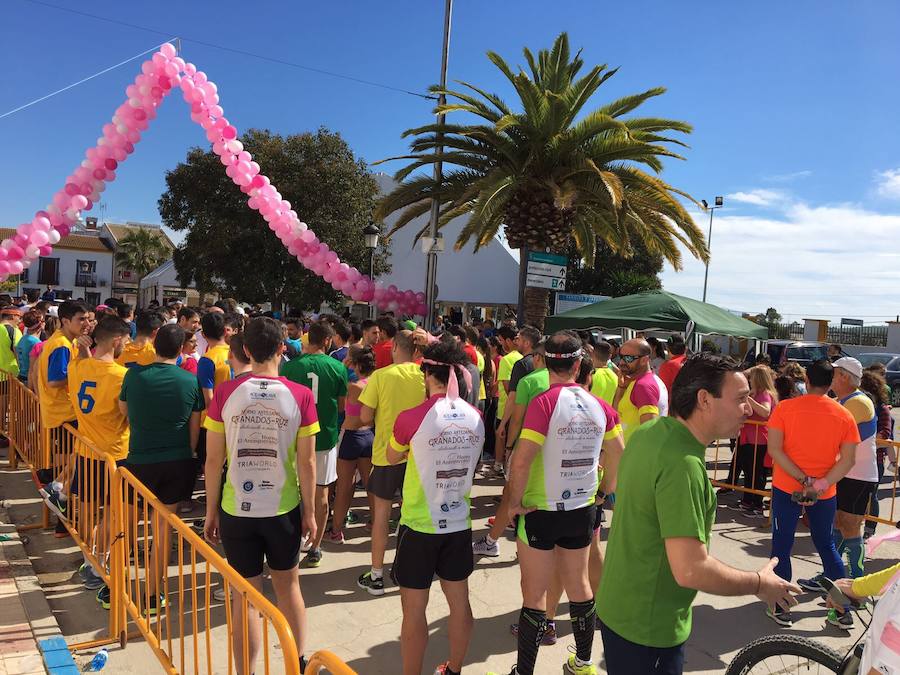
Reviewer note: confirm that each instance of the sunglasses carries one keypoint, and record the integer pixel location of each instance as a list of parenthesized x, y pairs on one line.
[(629, 358)]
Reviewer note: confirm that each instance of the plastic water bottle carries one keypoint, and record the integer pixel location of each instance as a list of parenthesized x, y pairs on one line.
[(98, 662)]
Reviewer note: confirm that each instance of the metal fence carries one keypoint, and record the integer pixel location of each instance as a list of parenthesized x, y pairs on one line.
[(867, 336), (161, 575)]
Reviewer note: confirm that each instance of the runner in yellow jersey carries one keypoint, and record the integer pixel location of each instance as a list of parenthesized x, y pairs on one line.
[(140, 351), (52, 389), (94, 385), (507, 337)]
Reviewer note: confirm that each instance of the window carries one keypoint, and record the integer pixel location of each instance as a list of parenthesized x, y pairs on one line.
[(86, 273), (23, 277), (48, 271), (92, 299)]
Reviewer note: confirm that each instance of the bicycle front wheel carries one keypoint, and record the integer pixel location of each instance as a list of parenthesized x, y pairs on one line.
[(785, 654)]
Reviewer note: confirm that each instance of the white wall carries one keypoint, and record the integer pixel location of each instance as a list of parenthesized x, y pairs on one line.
[(67, 268), (488, 277)]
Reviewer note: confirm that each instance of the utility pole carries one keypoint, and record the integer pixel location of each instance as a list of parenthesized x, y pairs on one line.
[(431, 255)]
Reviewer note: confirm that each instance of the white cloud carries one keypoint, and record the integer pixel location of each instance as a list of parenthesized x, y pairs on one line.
[(887, 183), (807, 261), (758, 197), (789, 177)]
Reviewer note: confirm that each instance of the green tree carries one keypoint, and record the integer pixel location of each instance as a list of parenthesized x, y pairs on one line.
[(548, 171), (141, 251), (229, 247), (613, 274)]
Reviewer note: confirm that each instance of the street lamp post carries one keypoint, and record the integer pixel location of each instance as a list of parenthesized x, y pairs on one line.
[(719, 203), (371, 232)]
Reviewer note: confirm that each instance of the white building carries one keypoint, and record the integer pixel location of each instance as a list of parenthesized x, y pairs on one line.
[(489, 278), (83, 264), (162, 285)]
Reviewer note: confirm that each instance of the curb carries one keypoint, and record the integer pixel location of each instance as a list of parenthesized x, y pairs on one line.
[(45, 630)]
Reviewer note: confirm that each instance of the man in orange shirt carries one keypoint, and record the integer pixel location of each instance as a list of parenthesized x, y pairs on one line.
[(387, 327), (812, 441), (669, 370)]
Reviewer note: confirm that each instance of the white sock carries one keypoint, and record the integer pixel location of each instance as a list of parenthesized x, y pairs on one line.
[(96, 571), (56, 486), (489, 539), (377, 573)]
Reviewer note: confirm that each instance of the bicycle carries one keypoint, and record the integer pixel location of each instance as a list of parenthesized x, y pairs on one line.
[(795, 654)]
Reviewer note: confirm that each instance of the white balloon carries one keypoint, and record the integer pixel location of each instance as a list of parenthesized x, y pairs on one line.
[(54, 236)]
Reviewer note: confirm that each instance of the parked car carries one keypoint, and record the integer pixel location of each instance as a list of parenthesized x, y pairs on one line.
[(782, 351), (892, 366)]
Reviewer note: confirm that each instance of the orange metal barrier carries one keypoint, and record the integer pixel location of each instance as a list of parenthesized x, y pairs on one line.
[(325, 660), (752, 479), (129, 536), (23, 426), (181, 637)]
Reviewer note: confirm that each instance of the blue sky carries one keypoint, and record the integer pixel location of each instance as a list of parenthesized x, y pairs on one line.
[(794, 108)]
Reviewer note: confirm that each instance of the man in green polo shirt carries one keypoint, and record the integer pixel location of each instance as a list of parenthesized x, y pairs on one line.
[(163, 404), (657, 557)]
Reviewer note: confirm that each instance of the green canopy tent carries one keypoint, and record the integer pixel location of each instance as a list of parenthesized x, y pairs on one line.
[(657, 310)]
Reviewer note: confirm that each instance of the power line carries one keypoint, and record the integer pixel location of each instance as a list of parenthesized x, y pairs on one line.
[(81, 81), (241, 52)]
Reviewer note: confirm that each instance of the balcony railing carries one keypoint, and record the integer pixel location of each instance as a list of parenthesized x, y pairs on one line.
[(86, 279)]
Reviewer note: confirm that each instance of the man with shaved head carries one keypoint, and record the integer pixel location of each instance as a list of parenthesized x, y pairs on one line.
[(641, 395)]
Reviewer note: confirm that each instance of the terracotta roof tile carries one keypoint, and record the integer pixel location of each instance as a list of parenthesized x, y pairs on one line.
[(80, 242)]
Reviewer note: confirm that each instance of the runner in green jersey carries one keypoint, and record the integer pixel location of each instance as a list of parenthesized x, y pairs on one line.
[(327, 378)]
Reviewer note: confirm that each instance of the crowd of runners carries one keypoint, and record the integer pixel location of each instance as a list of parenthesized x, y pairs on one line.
[(253, 414)]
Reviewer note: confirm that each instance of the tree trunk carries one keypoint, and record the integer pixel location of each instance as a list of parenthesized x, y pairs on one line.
[(536, 306)]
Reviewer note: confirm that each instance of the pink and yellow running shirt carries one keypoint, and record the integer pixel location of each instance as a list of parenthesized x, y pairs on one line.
[(262, 418), (444, 439), (646, 395), (569, 425)]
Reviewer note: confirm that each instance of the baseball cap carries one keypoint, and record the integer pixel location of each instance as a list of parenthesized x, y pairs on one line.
[(849, 364)]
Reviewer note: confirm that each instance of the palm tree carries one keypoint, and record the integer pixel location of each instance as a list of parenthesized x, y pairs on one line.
[(548, 173), (142, 251)]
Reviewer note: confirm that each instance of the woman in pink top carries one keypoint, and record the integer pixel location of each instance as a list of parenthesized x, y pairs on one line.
[(355, 443), (754, 438)]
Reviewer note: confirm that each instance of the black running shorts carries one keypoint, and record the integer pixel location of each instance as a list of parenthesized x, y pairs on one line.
[(544, 530), (420, 556), (170, 482), (249, 541), (853, 495), (386, 482)]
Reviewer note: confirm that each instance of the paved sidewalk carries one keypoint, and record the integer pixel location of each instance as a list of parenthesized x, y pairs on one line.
[(27, 626), (364, 630)]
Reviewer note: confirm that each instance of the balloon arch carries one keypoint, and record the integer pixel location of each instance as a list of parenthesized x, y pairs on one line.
[(159, 76)]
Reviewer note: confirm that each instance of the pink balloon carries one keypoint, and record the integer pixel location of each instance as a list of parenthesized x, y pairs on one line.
[(168, 50), (46, 250), (63, 230)]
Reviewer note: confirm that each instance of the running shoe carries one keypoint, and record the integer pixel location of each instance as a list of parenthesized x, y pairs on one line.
[(780, 616), (313, 558), (103, 597), (813, 585), (333, 537), (92, 581), (571, 667), (353, 518), (83, 571), (843, 620), (186, 506), (55, 502), (511, 672), (442, 669), (60, 532), (482, 547), (156, 604), (219, 594), (368, 583), (549, 638), (724, 491)]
